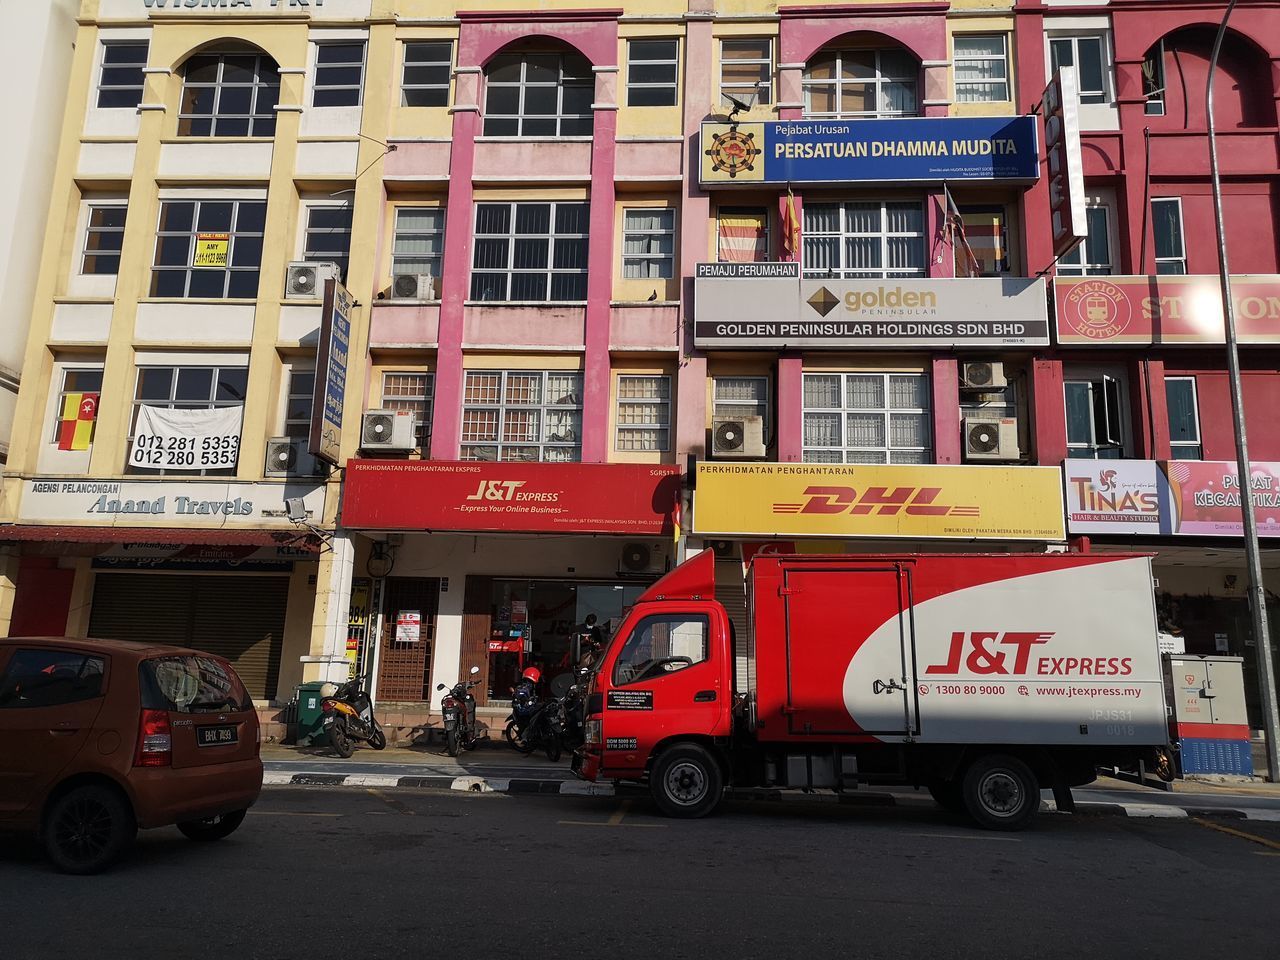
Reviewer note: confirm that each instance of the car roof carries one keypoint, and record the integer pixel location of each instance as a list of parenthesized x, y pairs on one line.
[(127, 648)]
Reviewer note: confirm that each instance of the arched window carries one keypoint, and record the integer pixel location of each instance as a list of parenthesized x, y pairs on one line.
[(862, 83), (229, 93), (1175, 73), (538, 94)]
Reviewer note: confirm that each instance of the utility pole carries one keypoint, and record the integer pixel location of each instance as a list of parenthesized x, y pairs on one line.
[(1257, 591)]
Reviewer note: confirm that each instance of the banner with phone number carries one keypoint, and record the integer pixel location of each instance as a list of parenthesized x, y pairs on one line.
[(187, 439)]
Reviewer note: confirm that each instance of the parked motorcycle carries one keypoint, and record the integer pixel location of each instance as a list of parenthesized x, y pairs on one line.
[(459, 709), (534, 723), (573, 707), (348, 716)]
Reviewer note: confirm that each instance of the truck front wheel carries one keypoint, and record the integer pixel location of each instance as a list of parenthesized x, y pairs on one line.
[(1000, 792), (686, 782)]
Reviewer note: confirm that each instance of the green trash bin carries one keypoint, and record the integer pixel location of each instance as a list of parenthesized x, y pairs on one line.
[(309, 713)]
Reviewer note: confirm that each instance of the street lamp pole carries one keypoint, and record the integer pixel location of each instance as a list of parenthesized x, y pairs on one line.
[(1257, 591)]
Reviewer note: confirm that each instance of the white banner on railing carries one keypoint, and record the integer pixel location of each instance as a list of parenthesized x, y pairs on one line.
[(167, 439)]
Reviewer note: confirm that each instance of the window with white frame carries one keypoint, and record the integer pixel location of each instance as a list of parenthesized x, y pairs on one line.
[(1170, 243), (328, 236), (742, 234), (862, 83), (867, 418), (530, 252), (981, 64), (230, 93), (187, 388), (1088, 55), (75, 382), (741, 397), (644, 413), (120, 82), (209, 249), (864, 239), (1184, 418), (412, 391), (746, 70), (522, 415), (1153, 80), (298, 402), (1095, 417), (339, 74), (103, 239), (419, 241), (653, 72), (1092, 256), (648, 243), (428, 67), (539, 95)]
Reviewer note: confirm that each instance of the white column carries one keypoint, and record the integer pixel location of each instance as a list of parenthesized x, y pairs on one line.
[(446, 654), (332, 610)]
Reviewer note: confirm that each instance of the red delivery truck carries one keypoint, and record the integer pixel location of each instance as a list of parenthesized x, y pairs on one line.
[(985, 678)]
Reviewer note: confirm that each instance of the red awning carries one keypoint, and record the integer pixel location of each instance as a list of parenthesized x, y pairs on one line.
[(174, 535)]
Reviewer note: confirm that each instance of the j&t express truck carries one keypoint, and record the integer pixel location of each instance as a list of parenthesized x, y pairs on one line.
[(985, 678)]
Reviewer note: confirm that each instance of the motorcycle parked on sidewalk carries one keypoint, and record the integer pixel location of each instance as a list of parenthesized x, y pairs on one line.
[(534, 723), (348, 716), (573, 710), (458, 707)]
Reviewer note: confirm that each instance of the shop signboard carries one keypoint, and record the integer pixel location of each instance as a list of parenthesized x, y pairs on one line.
[(1061, 105), (1112, 496), (328, 395), (621, 498), (165, 439), (165, 503), (350, 9), (137, 555), (869, 500), (1204, 496), (771, 312), (1164, 310), (894, 150)]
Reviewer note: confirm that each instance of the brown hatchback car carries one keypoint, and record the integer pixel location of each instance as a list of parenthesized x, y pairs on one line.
[(101, 737)]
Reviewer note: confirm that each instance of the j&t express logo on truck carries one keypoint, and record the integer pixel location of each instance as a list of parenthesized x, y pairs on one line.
[(992, 653), (882, 501)]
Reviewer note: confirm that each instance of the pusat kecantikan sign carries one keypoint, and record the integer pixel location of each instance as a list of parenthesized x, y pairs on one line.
[(898, 150)]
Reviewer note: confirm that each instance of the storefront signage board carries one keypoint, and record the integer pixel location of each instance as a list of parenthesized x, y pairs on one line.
[(199, 557), (1164, 310), (112, 9), (1196, 498), (896, 150), (165, 503), (1061, 105), (620, 498), (771, 313), (325, 438), (165, 439), (919, 502)]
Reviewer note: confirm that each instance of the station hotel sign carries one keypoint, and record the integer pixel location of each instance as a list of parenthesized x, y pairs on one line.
[(770, 306)]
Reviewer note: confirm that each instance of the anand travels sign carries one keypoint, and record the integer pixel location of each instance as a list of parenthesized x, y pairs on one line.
[(165, 503), (848, 500), (900, 150), (1165, 310), (771, 311)]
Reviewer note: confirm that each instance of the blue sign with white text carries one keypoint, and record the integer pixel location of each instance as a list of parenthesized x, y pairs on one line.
[(900, 150)]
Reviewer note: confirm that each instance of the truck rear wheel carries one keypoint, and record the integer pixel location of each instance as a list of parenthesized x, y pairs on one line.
[(686, 782), (1000, 792)]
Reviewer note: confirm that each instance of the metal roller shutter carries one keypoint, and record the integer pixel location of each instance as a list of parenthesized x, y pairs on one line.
[(237, 617), (732, 594)]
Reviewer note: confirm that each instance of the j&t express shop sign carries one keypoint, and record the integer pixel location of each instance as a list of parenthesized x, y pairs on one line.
[(909, 149), (918, 501)]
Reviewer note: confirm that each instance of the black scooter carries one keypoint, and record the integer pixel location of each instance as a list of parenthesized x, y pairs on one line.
[(459, 709), (348, 716)]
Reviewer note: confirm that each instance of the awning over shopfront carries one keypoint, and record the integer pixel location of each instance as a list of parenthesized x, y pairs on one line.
[(810, 500), (615, 498)]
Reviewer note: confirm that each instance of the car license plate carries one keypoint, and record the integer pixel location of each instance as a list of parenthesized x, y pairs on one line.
[(216, 736)]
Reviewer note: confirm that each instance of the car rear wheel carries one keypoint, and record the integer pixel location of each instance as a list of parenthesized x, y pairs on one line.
[(686, 782), (339, 740), (88, 828), (212, 828), (1001, 793)]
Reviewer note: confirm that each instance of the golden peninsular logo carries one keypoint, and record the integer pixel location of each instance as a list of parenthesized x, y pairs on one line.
[(1097, 310), (895, 301)]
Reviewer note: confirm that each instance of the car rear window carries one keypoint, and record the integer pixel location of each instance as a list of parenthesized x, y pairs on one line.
[(47, 678), (191, 685)]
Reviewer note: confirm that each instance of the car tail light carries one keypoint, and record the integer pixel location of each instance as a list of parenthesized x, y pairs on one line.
[(155, 744), (593, 731)]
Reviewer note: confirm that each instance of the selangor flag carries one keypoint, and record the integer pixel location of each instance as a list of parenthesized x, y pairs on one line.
[(677, 518), (79, 411), (790, 230)]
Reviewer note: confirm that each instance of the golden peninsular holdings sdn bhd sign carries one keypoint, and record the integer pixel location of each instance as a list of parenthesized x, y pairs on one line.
[(871, 500)]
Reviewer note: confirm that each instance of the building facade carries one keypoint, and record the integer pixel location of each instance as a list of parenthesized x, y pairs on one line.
[(628, 283)]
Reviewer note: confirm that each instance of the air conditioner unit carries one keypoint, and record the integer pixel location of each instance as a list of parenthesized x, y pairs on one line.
[(640, 558), (990, 438), (390, 430), (737, 438), (304, 280), (288, 457), (981, 375), (413, 286)]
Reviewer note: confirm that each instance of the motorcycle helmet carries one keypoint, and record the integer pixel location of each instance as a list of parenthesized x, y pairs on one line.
[(532, 674)]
